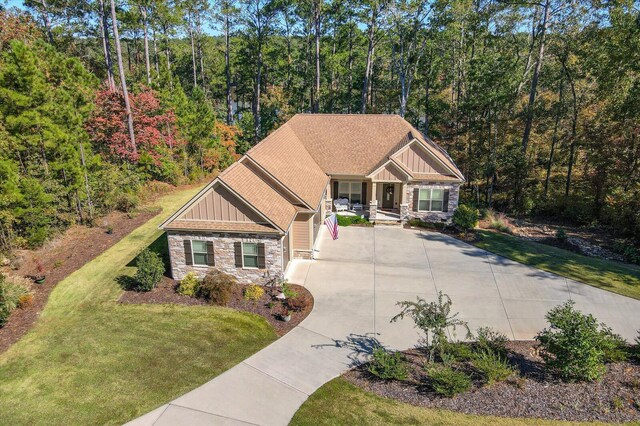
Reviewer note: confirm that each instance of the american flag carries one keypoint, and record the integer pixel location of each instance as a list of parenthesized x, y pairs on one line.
[(332, 225)]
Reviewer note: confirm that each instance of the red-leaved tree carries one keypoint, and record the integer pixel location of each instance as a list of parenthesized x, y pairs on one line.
[(155, 129)]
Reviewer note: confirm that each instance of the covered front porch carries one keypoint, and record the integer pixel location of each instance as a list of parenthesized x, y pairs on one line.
[(377, 200)]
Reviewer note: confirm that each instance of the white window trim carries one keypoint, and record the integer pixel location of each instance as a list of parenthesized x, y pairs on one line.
[(193, 252), (430, 199), (242, 243)]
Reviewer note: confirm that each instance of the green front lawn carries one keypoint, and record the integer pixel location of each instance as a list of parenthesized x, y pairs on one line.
[(341, 403), (613, 276), (90, 360)]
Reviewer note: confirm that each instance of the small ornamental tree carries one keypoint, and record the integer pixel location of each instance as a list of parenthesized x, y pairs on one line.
[(150, 270), (433, 318)]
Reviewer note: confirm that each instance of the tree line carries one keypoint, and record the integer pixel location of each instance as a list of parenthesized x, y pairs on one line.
[(536, 101)]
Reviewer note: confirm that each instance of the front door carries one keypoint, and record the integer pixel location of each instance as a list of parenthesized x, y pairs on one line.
[(387, 195)]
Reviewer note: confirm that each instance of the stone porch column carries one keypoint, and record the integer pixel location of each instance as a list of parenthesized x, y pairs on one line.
[(373, 203), (373, 210), (404, 206)]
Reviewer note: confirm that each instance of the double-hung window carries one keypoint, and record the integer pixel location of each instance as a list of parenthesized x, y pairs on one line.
[(199, 250), (250, 255), (431, 200), (351, 191)]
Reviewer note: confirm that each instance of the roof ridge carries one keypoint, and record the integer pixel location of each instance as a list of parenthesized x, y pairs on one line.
[(321, 114), (301, 145)]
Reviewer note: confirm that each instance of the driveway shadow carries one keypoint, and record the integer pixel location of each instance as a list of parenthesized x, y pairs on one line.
[(361, 346)]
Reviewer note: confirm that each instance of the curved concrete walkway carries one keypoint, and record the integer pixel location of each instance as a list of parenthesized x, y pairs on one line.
[(356, 282)]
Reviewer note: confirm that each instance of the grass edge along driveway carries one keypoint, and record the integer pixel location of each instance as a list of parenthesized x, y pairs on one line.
[(339, 402), (608, 275), (90, 360)]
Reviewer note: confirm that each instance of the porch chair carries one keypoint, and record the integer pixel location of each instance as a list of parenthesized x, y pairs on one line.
[(341, 204)]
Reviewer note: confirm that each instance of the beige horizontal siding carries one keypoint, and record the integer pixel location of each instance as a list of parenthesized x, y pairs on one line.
[(301, 232)]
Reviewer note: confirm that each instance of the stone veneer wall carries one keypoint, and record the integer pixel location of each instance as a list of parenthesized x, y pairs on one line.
[(224, 255), (454, 194)]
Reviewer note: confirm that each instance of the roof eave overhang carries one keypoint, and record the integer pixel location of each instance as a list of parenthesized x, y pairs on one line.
[(226, 231), (392, 162)]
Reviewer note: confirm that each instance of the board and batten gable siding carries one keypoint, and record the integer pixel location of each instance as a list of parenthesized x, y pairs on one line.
[(390, 173), (224, 250), (418, 161), (220, 204)]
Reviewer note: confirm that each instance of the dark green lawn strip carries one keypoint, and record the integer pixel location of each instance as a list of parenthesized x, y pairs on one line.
[(609, 275), (341, 403)]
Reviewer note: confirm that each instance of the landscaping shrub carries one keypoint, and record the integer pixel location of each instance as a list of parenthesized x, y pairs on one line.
[(126, 202), (253, 292), (11, 294), (150, 270), (457, 351), (4, 312), (189, 285), (446, 381), (561, 235), (498, 221), (387, 365), (352, 220), (615, 348), (217, 287), (288, 292), (630, 253), (25, 301), (433, 318), (575, 346), (299, 303), (488, 339), (493, 366), (466, 217)]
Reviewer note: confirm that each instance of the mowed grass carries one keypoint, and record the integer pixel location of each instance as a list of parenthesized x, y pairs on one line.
[(90, 360), (608, 275), (341, 403)]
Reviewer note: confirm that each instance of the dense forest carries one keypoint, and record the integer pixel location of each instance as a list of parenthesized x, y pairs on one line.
[(537, 102)]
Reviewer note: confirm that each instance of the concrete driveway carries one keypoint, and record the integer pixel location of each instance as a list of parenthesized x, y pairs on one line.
[(356, 282)]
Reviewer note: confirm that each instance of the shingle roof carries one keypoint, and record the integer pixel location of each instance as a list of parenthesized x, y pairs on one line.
[(283, 156), (262, 196), (301, 154), (357, 144), (204, 225)]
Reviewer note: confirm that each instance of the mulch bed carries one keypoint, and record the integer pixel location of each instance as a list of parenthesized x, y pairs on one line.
[(60, 257), (165, 292), (535, 394)]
